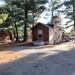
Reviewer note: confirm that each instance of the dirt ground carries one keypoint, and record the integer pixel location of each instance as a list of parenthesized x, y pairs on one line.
[(20, 59), (9, 55), (72, 45)]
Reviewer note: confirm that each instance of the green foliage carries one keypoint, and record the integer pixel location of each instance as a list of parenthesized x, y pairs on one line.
[(70, 11), (3, 18), (19, 11), (1, 21), (72, 33)]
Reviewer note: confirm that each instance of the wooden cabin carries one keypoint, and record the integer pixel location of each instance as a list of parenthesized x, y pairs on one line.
[(46, 34), (5, 36)]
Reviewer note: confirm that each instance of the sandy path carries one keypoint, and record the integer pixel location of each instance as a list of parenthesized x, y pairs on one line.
[(58, 60)]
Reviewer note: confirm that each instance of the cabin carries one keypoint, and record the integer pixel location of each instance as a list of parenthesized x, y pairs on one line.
[(46, 34), (5, 36)]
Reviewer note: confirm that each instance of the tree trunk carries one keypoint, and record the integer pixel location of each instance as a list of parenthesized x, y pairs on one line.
[(52, 12), (33, 17), (25, 26), (16, 33), (25, 32)]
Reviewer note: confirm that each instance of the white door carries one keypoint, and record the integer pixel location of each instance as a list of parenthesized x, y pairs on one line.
[(40, 34)]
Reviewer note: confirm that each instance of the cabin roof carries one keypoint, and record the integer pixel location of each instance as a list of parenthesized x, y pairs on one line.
[(46, 25), (49, 25)]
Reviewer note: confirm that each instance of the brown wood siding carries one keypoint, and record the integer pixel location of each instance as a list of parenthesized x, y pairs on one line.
[(45, 32), (4, 35)]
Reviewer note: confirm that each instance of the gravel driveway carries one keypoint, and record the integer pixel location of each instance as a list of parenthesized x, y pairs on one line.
[(39, 60)]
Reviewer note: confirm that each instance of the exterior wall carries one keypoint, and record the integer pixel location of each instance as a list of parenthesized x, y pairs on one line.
[(55, 35), (45, 33), (58, 34), (51, 35), (4, 35)]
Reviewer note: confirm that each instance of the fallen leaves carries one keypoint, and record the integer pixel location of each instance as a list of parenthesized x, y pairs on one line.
[(8, 56)]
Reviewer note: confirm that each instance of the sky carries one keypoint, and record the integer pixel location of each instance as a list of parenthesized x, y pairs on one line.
[(46, 16), (2, 2)]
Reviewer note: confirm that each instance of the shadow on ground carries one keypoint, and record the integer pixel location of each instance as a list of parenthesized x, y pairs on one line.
[(24, 46), (62, 63), (21, 46)]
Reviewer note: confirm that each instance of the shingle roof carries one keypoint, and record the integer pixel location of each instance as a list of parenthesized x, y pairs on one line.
[(48, 25)]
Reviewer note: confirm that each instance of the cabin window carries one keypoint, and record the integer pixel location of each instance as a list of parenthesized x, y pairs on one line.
[(40, 33)]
